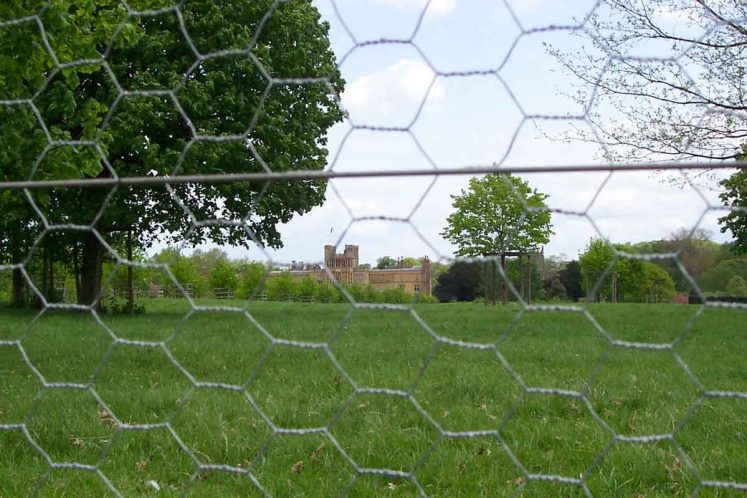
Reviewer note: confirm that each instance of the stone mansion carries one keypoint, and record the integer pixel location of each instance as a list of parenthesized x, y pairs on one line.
[(347, 270)]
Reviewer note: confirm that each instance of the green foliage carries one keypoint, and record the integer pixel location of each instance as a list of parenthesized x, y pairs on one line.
[(223, 275), (371, 295), (717, 278), (636, 280), (737, 286), (525, 276), (437, 269), (325, 293), (572, 280), (396, 296), (187, 274), (306, 289), (491, 218), (593, 263), (553, 288), (410, 262), (250, 277), (21, 142), (735, 196), (694, 249), (385, 262), (115, 277), (114, 305), (631, 279), (658, 286), (207, 260), (497, 214), (281, 287), (461, 282), (357, 292), (423, 299), (5, 286), (146, 135)]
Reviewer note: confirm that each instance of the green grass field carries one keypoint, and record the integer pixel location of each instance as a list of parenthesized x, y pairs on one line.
[(228, 386)]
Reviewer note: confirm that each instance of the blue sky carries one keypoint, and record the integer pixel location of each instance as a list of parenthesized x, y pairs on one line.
[(467, 121)]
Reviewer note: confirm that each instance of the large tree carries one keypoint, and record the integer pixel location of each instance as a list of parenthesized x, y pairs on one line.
[(594, 265), (716, 279), (572, 280), (498, 215), (667, 76), (278, 123), (735, 196), (611, 277), (668, 81), (461, 282)]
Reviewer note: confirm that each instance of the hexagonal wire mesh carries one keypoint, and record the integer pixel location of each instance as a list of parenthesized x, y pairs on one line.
[(93, 376)]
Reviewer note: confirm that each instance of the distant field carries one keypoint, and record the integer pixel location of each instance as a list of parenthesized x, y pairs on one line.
[(635, 392)]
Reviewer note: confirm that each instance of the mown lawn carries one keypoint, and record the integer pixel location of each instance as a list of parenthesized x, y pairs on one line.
[(301, 399)]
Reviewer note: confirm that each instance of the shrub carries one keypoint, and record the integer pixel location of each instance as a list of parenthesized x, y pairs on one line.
[(737, 286)]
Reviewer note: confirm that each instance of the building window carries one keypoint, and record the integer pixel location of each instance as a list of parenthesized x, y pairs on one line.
[(417, 288)]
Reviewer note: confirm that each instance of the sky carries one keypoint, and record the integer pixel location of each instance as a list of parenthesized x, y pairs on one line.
[(468, 120)]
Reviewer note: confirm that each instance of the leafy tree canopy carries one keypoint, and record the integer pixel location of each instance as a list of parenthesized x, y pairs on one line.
[(385, 262), (572, 280), (715, 279), (496, 214), (461, 282), (594, 263), (737, 286), (735, 196), (605, 275), (270, 124)]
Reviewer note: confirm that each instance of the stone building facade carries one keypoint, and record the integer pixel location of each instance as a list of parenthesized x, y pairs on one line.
[(347, 270)]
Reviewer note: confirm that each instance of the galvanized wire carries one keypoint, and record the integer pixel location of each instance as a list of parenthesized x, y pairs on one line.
[(268, 175)]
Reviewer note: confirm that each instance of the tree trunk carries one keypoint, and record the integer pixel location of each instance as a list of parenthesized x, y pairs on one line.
[(18, 298), (52, 290), (130, 291), (45, 275), (46, 287), (529, 284), (76, 270), (90, 270), (522, 277), (486, 282), (614, 286), (493, 284), (503, 280), (491, 294)]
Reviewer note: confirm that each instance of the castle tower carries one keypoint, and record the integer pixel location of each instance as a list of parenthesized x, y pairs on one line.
[(426, 277), (329, 256), (352, 253)]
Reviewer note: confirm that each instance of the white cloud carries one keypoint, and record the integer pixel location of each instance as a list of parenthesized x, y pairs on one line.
[(436, 7), (393, 94)]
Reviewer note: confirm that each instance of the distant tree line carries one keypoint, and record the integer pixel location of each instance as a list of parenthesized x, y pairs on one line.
[(284, 288), (201, 274), (717, 270)]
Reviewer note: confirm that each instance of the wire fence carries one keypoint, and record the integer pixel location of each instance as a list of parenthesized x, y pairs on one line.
[(205, 136)]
